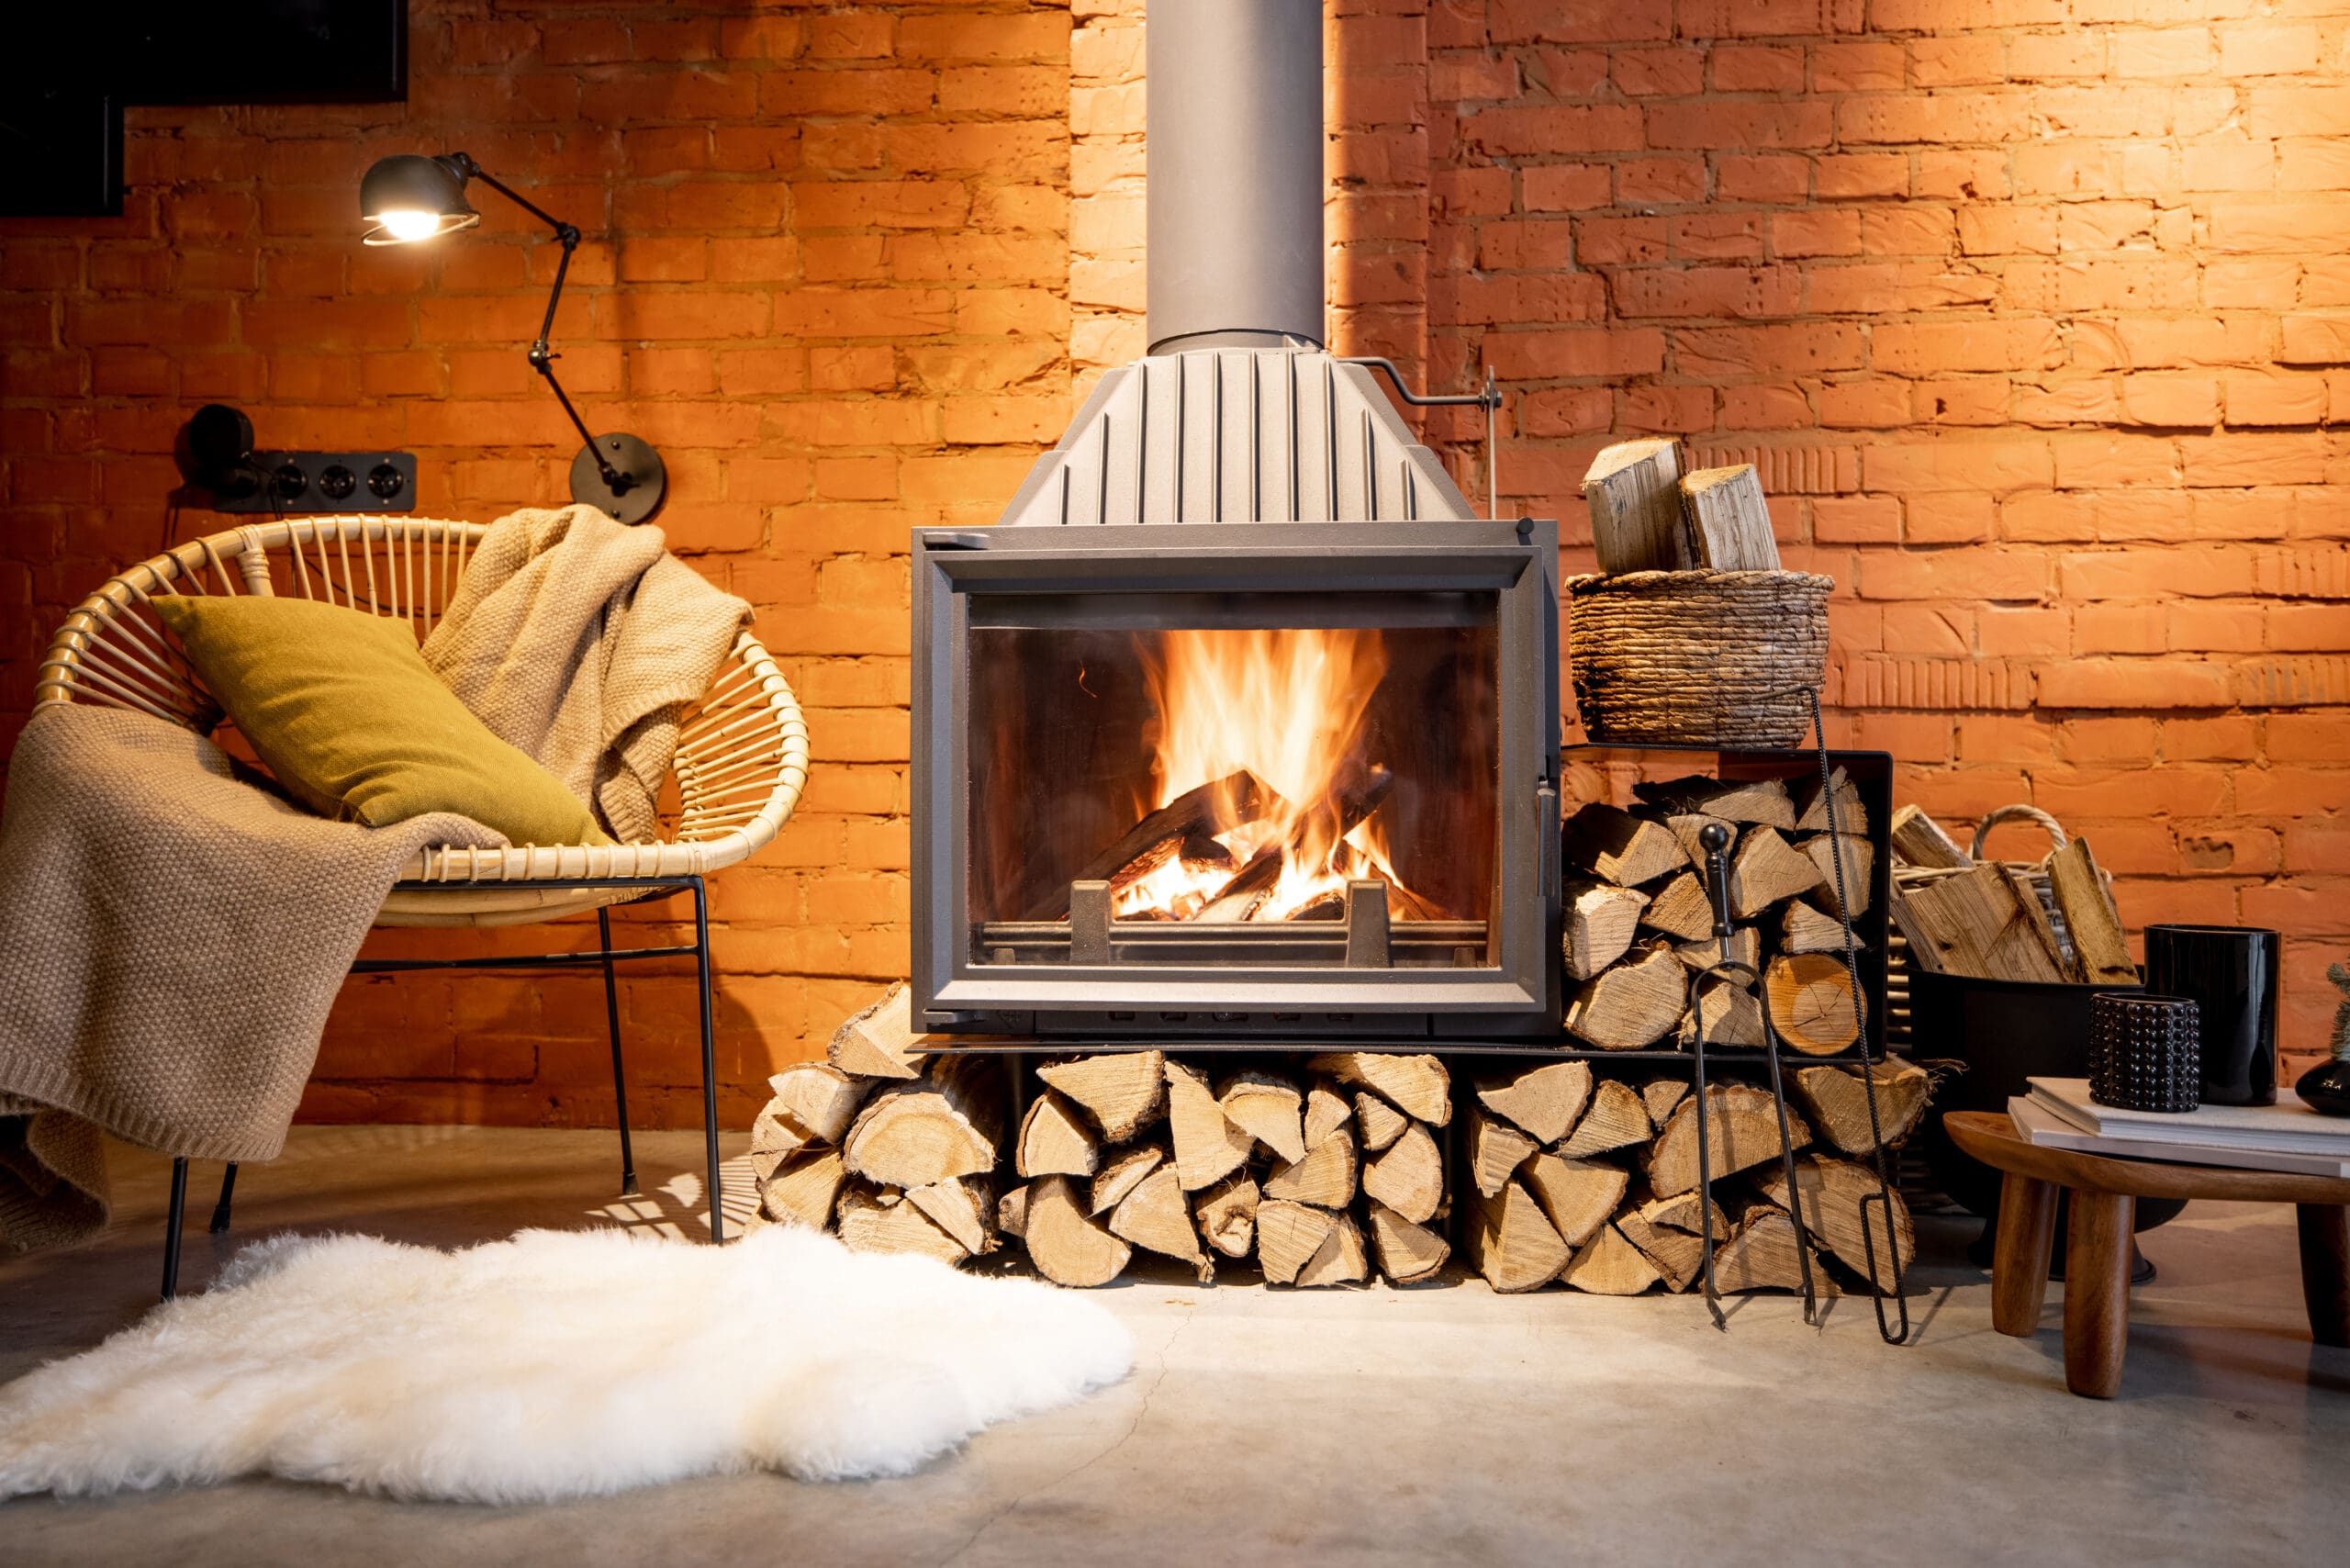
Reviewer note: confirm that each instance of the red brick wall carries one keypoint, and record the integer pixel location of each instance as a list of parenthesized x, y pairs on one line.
[(2028, 312)]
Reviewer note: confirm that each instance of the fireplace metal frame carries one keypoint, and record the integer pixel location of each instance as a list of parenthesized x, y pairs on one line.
[(1515, 997)]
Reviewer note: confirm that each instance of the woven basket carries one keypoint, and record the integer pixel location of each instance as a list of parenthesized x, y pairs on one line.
[(1698, 658)]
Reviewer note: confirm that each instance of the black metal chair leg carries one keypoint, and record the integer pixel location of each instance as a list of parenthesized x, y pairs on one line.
[(620, 1080), (709, 1064), (219, 1225), (172, 1222)]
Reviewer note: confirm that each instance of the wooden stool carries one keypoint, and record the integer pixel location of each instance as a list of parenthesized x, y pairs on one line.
[(2097, 1251)]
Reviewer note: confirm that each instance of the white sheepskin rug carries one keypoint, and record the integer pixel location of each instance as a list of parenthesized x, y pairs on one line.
[(556, 1364)]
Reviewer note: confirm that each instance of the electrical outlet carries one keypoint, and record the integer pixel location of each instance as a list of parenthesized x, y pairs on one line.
[(303, 484)]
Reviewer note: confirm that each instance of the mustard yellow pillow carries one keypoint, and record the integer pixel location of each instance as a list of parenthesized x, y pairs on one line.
[(350, 719)]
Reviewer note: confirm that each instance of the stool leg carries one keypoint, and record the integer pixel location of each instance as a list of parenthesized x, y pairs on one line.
[(2096, 1291), (2019, 1265), (2325, 1270), (173, 1218), (220, 1210)]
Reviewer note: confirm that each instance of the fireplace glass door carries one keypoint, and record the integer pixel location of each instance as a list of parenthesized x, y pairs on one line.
[(1232, 778)]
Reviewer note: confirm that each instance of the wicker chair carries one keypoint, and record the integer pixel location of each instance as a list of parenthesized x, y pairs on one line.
[(742, 761)]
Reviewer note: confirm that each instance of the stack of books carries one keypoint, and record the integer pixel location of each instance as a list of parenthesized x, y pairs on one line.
[(2288, 1135)]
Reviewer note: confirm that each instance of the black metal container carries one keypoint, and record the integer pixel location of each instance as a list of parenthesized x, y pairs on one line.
[(2005, 1032), (2230, 973), (2145, 1053)]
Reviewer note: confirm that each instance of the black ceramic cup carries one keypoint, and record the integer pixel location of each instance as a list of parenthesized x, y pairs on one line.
[(2230, 973), (2145, 1053)]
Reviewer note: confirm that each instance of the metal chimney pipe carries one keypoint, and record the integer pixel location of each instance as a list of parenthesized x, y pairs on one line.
[(1235, 180)]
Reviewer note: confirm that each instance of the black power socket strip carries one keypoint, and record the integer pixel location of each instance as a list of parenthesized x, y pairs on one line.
[(307, 483)]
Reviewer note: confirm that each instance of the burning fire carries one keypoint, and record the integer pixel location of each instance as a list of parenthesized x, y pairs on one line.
[(1287, 707)]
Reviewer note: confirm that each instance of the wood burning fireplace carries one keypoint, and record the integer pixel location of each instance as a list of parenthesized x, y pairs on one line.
[(1291, 780)]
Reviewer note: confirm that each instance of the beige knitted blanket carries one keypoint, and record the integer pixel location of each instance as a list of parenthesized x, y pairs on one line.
[(581, 641), (171, 939)]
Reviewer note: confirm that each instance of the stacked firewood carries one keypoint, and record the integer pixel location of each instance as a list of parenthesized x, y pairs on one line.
[(1319, 1176), (1594, 1183), (1639, 914)]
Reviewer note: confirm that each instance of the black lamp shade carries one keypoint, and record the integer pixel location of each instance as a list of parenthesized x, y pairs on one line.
[(407, 198)]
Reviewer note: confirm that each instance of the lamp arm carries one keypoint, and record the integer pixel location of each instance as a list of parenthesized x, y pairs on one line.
[(543, 358)]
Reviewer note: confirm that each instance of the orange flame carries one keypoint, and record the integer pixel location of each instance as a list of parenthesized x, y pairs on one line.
[(1286, 705)]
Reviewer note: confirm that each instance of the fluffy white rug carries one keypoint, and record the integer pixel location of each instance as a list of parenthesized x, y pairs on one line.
[(553, 1365)]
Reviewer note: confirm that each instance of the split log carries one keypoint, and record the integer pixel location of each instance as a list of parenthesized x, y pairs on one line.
[(1340, 1260), (1382, 1123), (1409, 1176), (1762, 1254), (1155, 1216), (1407, 1253), (775, 1136), (1576, 1195), (1618, 847), (1683, 1212), (805, 1189), (1327, 1110), (1633, 490), (1678, 1257), (1811, 1002), (1982, 925), (1920, 840), (1226, 1216), (1011, 1212), (1631, 1005), (1805, 928), (1054, 1140), (1125, 1091), (1417, 1085), (1511, 1242), (1495, 1149), (1681, 910), (1764, 801), (1207, 1148), (1288, 1236), (1067, 1247), (961, 1208), (819, 1098), (1729, 1013), (883, 1221), (1727, 521), (1743, 946), (1212, 808), (1659, 1095), (1836, 1102), (1830, 1193), (1121, 1174), (1616, 1118), (1609, 1265), (930, 1129), (1860, 867), (878, 1041), (1268, 1108), (1600, 920), (1767, 869), (1541, 1100), (1741, 1130), (2101, 953), (1811, 806), (1326, 1177), (1689, 832)]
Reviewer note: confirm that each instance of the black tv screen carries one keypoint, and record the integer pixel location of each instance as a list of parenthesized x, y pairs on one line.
[(73, 68)]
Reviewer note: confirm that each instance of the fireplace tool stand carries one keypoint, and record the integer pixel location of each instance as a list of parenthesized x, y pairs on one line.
[(1714, 840), (603, 955)]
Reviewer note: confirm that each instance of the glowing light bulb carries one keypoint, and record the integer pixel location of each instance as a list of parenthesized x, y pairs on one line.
[(410, 224)]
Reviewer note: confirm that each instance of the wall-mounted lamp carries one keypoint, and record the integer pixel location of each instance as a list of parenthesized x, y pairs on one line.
[(409, 197)]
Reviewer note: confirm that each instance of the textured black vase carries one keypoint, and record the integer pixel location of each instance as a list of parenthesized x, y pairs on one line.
[(2145, 1053), (2230, 972), (2325, 1088)]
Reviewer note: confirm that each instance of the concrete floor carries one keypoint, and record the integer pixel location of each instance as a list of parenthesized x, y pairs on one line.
[(1379, 1427)]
